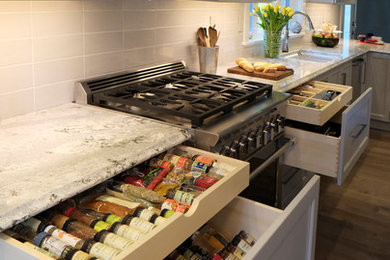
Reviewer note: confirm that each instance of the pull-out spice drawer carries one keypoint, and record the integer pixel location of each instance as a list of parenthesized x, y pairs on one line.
[(316, 102), (332, 156), (279, 234), (158, 243)]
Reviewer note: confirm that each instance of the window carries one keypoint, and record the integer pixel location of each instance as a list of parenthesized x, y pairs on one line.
[(252, 31)]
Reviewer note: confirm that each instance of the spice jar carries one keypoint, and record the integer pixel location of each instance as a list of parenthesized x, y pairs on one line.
[(126, 231), (141, 224), (113, 240), (75, 254), (73, 227), (52, 244), (99, 250)]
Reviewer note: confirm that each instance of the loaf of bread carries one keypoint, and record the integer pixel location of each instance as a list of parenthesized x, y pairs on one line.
[(246, 65)]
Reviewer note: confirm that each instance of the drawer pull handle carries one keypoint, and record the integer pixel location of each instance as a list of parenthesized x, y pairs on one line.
[(359, 132), (272, 158)]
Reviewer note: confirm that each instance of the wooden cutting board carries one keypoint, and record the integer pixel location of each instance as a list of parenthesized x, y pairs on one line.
[(278, 75)]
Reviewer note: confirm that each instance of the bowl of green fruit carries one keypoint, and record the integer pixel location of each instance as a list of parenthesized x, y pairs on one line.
[(327, 37)]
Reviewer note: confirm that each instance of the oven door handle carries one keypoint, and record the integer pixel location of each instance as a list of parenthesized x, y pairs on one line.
[(272, 158)]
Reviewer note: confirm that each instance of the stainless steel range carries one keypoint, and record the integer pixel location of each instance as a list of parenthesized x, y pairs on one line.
[(237, 118)]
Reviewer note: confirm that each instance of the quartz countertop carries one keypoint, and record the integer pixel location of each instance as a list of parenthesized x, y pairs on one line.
[(307, 70), (54, 154)]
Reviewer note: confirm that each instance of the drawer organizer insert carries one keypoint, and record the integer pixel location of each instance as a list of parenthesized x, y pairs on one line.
[(316, 102)]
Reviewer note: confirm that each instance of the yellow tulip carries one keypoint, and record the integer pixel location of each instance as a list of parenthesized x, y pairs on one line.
[(284, 10), (262, 8), (267, 7), (277, 8), (290, 13), (256, 8), (250, 14), (289, 10), (265, 14)]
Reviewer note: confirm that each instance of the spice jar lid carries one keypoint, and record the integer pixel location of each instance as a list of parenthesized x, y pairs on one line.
[(113, 227), (99, 235), (39, 238), (70, 254), (138, 210), (88, 243), (126, 219), (153, 218)]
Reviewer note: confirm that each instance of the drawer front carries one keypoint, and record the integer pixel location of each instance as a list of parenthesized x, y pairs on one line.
[(331, 156), (280, 234), (317, 116), (313, 152), (355, 129), (166, 237)]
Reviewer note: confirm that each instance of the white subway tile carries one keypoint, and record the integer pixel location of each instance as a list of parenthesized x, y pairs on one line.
[(15, 52), (103, 5), (138, 39), (57, 6), (100, 64), (58, 70), (54, 95), (14, 78), (140, 57), (15, 6), (181, 17), (103, 42), (18, 103), (49, 24), (176, 35), (17, 25), (139, 19), (57, 47), (102, 21)]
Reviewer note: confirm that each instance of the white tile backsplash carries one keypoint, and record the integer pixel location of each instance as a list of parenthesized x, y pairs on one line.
[(58, 70), (54, 94), (15, 25), (16, 103), (57, 47), (57, 23), (15, 78), (45, 46), (15, 52), (101, 64), (103, 42)]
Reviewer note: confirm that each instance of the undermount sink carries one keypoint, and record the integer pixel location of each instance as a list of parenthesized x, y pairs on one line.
[(310, 55)]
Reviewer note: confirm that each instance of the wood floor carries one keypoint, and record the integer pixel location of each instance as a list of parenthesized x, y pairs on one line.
[(354, 219)]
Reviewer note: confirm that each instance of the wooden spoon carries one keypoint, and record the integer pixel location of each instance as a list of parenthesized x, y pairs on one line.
[(201, 38), (213, 36)]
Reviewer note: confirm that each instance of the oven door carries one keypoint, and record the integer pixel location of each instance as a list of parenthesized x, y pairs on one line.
[(272, 182)]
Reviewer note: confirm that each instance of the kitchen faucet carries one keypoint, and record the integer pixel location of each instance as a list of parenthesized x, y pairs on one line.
[(286, 35)]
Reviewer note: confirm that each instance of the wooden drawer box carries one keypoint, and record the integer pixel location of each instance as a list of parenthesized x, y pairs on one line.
[(306, 104), (279, 234), (166, 237), (328, 155)]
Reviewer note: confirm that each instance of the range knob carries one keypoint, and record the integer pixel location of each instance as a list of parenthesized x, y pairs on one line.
[(267, 133), (260, 138), (251, 142), (281, 122), (234, 149), (225, 151), (243, 144)]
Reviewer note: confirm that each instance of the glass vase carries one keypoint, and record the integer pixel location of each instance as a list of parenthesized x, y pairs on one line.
[(272, 43)]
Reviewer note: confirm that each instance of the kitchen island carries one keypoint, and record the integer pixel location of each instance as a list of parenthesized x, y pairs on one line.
[(57, 153)]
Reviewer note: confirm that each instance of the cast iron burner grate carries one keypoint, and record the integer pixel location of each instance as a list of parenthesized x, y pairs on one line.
[(186, 94)]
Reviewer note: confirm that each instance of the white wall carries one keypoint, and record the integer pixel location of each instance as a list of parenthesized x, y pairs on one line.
[(45, 46), (323, 13)]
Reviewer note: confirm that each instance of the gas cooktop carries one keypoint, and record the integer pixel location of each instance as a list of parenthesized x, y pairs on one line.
[(171, 91)]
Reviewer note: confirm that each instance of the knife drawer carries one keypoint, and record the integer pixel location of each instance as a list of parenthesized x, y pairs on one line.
[(309, 106), (163, 239)]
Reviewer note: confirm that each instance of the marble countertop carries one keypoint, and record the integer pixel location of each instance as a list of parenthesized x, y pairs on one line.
[(307, 70), (57, 153)]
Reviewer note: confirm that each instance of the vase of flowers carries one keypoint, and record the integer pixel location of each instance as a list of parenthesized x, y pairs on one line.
[(272, 18)]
